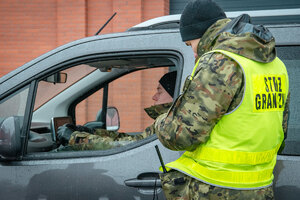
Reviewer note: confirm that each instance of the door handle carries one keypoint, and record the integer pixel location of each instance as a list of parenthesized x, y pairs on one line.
[(143, 183), (144, 180)]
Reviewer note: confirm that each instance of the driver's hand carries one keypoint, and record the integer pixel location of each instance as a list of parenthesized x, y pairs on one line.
[(85, 129), (64, 133)]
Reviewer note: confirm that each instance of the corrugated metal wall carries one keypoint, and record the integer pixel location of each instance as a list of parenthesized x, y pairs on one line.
[(176, 6)]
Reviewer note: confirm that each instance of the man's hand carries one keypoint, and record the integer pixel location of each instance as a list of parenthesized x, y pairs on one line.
[(64, 133), (85, 129)]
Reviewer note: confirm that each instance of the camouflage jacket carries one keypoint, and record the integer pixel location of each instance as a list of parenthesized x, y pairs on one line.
[(102, 139), (217, 86)]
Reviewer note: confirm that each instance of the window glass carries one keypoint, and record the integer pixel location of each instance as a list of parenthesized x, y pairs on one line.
[(43, 132), (132, 93), (47, 90), (14, 105), (291, 58), (88, 109), (132, 82)]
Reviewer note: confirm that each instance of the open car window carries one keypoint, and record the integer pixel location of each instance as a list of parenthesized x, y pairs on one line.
[(79, 100), (49, 87), (128, 97)]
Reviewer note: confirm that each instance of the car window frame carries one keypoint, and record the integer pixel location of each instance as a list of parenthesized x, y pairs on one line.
[(177, 59)]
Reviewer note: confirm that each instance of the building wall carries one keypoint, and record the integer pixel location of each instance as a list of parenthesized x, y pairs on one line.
[(30, 28)]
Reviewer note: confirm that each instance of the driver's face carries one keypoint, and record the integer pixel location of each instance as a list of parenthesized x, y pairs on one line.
[(161, 96)]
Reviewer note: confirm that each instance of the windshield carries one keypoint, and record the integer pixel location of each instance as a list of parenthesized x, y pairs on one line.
[(47, 90)]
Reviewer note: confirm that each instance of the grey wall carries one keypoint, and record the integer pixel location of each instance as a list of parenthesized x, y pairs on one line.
[(176, 6)]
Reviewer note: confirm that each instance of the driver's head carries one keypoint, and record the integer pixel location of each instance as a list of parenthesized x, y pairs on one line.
[(165, 89)]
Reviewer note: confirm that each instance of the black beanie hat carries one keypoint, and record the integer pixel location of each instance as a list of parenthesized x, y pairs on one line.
[(168, 82), (197, 17)]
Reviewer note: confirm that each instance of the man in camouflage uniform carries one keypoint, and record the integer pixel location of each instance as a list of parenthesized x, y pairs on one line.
[(101, 139), (215, 88)]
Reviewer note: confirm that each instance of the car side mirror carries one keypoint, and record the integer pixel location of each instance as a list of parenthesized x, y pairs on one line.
[(112, 119), (57, 78), (10, 140)]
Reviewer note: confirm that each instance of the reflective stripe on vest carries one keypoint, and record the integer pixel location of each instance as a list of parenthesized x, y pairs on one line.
[(233, 179), (233, 157), (242, 148)]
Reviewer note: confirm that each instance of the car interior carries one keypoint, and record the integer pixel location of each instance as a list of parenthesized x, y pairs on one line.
[(92, 81)]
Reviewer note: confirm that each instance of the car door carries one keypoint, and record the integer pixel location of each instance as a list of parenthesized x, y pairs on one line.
[(126, 172), (34, 170)]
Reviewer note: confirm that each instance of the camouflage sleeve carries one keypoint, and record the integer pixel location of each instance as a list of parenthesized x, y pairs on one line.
[(147, 132), (87, 141), (286, 116), (103, 139), (285, 122), (204, 100)]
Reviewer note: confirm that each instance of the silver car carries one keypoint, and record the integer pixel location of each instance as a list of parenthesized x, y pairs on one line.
[(52, 89)]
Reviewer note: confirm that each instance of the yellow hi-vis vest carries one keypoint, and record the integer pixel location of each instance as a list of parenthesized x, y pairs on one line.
[(242, 148)]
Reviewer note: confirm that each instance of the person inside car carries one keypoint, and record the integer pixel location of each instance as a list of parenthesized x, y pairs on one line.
[(82, 138)]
